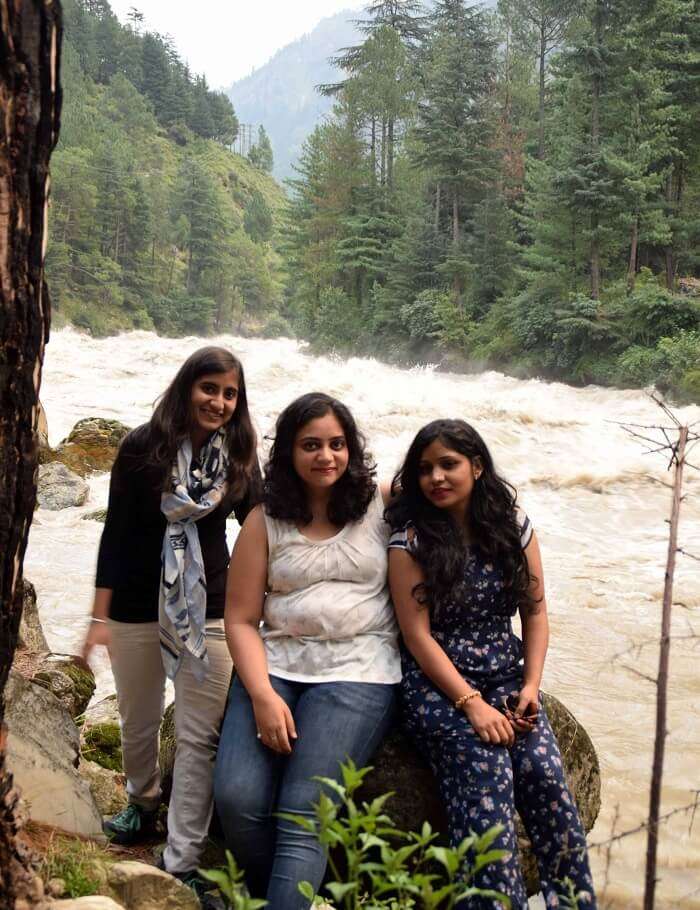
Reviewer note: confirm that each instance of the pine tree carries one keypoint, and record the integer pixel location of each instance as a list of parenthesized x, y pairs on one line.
[(260, 154)]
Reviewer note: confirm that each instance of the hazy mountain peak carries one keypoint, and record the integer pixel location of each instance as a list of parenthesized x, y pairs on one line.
[(282, 94)]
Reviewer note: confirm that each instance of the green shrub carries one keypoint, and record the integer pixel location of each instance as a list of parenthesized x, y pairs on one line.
[(638, 366), (387, 869), (433, 316), (338, 321), (277, 327)]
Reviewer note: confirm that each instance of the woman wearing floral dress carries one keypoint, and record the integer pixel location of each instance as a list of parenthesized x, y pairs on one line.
[(463, 560)]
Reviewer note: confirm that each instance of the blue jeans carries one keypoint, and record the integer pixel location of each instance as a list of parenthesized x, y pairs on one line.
[(334, 721)]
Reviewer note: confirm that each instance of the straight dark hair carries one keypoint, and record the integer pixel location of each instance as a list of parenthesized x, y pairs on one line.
[(171, 422), (285, 496), (491, 519)]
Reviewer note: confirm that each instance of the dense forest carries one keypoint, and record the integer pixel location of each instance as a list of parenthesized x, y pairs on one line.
[(519, 187), (154, 223), (514, 187)]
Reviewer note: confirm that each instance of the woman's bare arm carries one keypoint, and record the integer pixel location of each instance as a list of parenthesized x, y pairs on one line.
[(414, 621), (245, 596)]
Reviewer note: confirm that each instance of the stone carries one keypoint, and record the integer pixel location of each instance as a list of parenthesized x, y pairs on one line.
[(95, 515), (42, 433), (107, 787), (400, 769), (101, 739), (42, 753), (60, 488), (91, 445), (31, 634), (138, 886), (91, 902), (69, 678)]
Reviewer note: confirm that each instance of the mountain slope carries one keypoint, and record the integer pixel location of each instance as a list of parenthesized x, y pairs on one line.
[(282, 94)]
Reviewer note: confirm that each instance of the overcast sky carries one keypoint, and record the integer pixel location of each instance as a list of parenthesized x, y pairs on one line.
[(226, 39)]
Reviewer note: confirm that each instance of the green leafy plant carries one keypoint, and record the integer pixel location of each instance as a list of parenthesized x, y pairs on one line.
[(389, 869), (229, 880)]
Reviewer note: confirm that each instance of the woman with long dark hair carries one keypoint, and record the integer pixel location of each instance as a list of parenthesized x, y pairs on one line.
[(159, 598), (463, 560), (315, 684)]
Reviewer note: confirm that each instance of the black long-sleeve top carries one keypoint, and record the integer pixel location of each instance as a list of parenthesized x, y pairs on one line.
[(129, 559)]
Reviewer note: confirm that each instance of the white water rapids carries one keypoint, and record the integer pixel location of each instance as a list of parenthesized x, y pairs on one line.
[(600, 507)]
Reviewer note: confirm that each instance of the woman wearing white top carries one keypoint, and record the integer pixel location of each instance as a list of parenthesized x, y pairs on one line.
[(315, 683)]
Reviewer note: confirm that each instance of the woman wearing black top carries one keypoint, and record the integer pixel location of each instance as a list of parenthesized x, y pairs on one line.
[(159, 598)]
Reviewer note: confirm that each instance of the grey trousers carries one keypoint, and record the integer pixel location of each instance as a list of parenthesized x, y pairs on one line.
[(199, 707)]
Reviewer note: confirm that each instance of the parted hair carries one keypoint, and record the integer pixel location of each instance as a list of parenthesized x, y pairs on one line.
[(172, 418), (285, 496), (491, 520)]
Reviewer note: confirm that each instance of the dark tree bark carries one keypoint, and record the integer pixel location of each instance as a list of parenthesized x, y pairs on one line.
[(30, 40)]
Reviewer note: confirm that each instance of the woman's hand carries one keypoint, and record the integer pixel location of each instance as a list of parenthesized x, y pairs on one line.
[(524, 716), (97, 634), (274, 721), (490, 725)]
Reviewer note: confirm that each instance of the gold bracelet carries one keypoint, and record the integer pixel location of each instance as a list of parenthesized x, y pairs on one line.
[(463, 699)]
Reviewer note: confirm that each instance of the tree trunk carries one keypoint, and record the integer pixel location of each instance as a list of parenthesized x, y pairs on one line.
[(30, 41), (382, 180), (662, 677), (373, 150), (540, 125), (437, 207), (632, 266), (668, 251), (390, 155)]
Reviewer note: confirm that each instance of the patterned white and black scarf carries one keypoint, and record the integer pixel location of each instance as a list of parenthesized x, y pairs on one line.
[(198, 486)]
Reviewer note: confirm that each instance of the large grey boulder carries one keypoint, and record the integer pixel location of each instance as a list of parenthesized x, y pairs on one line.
[(137, 886), (42, 754), (107, 787), (60, 488), (70, 679), (399, 768), (91, 445), (31, 634)]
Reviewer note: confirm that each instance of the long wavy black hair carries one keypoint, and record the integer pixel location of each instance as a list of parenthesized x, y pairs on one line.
[(491, 520), (285, 495), (171, 422)]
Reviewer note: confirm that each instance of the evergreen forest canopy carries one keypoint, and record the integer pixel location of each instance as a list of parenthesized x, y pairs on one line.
[(520, 187), (154, 223), (516, 188)]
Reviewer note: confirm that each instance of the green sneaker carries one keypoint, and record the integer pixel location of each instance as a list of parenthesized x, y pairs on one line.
[(131, 825), (207, 892)]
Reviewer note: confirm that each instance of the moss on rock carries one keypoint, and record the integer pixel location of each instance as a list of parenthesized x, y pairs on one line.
[(91, 445), (102, 743), (72, 684)]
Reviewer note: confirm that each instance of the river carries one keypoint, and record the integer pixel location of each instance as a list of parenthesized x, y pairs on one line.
[(599, 504)]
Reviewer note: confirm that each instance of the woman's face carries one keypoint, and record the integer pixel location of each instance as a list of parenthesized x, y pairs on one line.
[(320, 454), (213, 402), (447, 478)]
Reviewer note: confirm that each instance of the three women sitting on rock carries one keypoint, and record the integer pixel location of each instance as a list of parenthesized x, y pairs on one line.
[(313, 635)]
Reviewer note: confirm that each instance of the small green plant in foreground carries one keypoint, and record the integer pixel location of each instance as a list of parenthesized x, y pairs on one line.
[(388, 869), (229, 880)]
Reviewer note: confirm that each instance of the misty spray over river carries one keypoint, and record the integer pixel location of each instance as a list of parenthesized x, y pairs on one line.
[(599, 505)]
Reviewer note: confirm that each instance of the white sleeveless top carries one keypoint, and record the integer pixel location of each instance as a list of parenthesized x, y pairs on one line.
[(327, 615)]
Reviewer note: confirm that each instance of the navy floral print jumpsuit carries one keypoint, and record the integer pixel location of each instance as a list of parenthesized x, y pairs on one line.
[(482, 784)]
